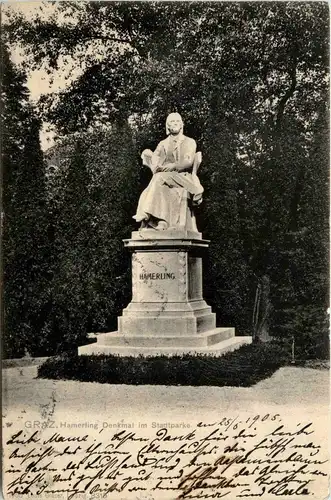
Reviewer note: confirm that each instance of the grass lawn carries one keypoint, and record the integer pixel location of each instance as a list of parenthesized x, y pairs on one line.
[(241, 368)]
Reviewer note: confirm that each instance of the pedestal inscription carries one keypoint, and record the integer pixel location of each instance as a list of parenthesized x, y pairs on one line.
[(155, 277)]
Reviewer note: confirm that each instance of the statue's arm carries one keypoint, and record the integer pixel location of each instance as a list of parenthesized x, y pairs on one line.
[(156, 159), (152, 159), (156, 163)]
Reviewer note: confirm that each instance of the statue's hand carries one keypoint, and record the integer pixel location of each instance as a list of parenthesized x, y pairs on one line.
[(170, 167), (146, 157)]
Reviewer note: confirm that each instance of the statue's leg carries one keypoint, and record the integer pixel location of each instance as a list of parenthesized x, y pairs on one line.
[(161, 225), (183, 209), (163, 204), (154, 223), (158, 202)]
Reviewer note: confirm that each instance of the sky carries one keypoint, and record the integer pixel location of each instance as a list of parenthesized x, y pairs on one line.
[(38, 81)]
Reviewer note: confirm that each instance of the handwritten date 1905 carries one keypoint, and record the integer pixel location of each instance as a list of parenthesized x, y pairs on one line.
[(236, 457)]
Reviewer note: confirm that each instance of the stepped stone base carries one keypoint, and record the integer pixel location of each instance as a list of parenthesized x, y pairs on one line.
[(190, 318), (167, 314), (215, 343)]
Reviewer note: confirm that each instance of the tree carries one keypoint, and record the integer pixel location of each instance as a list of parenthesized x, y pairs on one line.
[(251, 82), (26, 262), (149, 57), (92, 200)]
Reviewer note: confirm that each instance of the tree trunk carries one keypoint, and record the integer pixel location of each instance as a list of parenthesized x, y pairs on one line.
[(262, 310)]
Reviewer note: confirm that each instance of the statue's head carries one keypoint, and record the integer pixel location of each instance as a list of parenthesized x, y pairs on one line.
[(174, 123)]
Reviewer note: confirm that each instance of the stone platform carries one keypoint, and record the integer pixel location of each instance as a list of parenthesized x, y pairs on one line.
[(214, 343), (167, 313)]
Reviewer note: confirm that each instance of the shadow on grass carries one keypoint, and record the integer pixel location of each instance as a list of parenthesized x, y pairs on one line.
[(242, 368)]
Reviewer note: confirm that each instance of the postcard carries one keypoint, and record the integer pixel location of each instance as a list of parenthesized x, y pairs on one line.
[(165, 250)]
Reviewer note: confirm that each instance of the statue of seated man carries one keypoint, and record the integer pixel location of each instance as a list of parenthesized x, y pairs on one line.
[(174, 188)]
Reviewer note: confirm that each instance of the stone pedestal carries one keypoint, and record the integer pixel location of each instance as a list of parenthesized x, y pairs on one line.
[(167, 314)]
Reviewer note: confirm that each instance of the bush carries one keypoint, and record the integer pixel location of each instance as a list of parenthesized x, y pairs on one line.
[(242, 368)]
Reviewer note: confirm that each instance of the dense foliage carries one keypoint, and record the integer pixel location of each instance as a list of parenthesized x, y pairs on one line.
[(251, 82), (246, 366), (25, 243), (94, 189)]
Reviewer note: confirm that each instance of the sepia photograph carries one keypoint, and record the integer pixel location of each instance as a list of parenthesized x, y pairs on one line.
[(165, 250)]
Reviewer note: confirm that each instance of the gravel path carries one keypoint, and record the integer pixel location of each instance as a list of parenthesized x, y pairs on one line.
[(293, 396), (300, 389)]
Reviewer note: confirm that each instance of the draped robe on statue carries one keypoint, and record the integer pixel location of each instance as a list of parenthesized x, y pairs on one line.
[(166, 197)]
